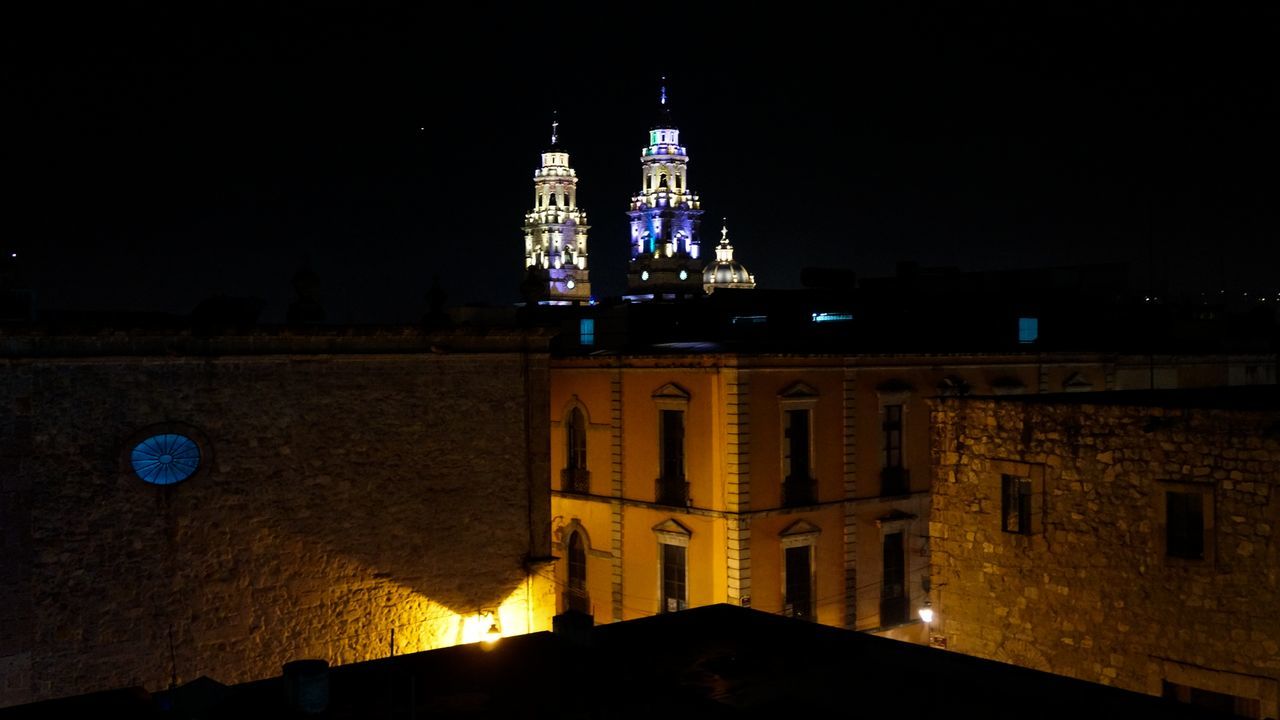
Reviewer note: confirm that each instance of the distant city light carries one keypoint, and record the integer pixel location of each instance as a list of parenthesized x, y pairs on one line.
[(820, 317)]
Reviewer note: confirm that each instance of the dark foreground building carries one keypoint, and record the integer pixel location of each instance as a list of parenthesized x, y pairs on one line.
[(711, 662)]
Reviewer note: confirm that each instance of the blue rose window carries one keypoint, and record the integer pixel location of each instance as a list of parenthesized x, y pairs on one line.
[(165, 459)]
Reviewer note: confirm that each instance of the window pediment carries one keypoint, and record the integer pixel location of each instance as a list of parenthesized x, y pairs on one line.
[(800, 532), (1077, 382), (894, 392), (671, 391), (672, 533), (799, 391)]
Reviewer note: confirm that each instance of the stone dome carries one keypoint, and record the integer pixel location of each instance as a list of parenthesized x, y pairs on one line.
[(724, 271)]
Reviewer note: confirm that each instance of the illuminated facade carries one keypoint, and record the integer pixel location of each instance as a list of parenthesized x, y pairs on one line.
[(1121, 538), (555, 232), (174, 507), (666, 258), (796, 484)]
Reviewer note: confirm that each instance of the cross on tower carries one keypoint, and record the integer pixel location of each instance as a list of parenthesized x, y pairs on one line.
[(555, 123)]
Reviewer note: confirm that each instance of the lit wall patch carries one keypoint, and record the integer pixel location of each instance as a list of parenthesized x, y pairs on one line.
[(825, 317), (1028, 329)]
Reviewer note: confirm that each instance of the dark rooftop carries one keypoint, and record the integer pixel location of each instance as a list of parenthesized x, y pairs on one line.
[(717, 661)]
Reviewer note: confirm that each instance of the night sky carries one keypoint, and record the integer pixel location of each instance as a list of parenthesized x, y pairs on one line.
[(158, 157)]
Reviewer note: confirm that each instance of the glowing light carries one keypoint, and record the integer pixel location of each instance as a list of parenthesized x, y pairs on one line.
[(926, 612), (820, 317), (684, 275)]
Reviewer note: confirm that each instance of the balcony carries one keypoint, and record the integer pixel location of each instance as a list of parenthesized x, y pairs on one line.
[(671, 491), (798, 491), (575, 480), (577, 600), (894, 481)]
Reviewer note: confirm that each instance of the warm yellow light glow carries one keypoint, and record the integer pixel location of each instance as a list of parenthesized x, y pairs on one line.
[(926, 613)]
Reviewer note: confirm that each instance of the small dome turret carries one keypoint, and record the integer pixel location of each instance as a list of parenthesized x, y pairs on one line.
[(724, 271)]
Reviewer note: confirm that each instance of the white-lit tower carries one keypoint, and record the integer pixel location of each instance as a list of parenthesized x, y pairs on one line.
[(665, 245), (555, 232)]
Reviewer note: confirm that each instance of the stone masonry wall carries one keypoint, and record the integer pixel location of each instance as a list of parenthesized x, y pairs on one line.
[(353, 504), (1091, 593)]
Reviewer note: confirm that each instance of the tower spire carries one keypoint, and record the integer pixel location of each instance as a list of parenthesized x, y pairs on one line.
[(555, 123), (662, 96)]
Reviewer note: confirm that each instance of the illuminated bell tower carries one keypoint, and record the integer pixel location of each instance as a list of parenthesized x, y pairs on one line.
[(665, 246), (555, 232)]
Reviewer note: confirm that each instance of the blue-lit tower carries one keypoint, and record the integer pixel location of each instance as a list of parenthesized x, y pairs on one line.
[(555, 233), (666, 258)]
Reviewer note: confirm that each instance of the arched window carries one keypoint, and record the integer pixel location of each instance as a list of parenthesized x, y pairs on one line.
[(576, 597), (576, 478)]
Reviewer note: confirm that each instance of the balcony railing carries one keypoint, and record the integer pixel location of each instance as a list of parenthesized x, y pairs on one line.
[(671, 491), (575, 480), (577, 600), (798, 491), (894, 481)]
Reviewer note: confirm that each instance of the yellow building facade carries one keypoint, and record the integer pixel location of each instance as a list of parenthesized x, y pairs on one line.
[(794, 484)]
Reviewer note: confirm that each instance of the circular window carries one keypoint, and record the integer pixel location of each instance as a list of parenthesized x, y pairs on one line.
[(165, 458)]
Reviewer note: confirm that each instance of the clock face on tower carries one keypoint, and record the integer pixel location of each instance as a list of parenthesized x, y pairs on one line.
[(644, 274), (684, 275), (570, 284)]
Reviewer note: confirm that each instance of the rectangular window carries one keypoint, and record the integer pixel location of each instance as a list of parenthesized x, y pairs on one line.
[(671, 488), (1028, 329), (893, 585), (893, 436), (674, 573), (798, 602), (893, 476), (797, 479), (672, 441), (1184, 524), (1015, 504), (795, 451), (586, 332), (1220, 703)]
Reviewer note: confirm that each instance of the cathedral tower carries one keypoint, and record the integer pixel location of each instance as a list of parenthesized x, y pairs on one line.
[(555, 233), (665, 246)]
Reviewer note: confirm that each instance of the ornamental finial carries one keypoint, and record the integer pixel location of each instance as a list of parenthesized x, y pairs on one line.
[(724, 231), (662, 97), (555, 123)]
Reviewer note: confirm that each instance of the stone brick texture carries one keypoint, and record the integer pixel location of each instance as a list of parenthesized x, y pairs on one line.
[(1092, 596), (348, 495)]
